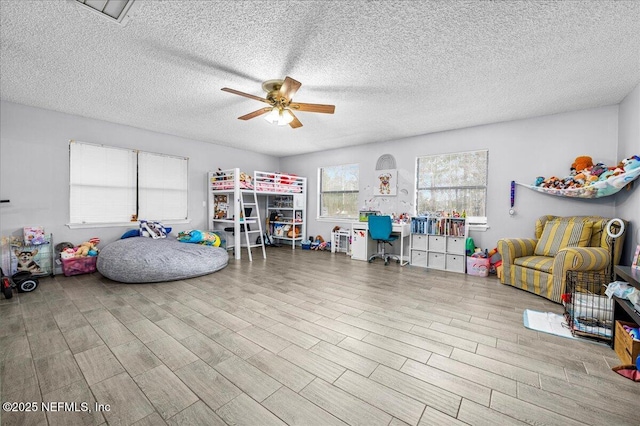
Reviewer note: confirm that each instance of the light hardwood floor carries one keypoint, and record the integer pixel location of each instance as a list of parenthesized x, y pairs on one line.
[(303, 338)]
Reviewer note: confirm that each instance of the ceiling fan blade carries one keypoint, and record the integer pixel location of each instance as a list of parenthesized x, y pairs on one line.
[(246, 95), (289, 88), (295, 123), (255, 113), (325, 109)]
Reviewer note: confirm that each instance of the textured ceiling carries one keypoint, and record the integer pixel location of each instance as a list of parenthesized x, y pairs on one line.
[(392, 68)]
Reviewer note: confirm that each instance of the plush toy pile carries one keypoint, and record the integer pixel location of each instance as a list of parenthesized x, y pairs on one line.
[(87, 248), (585, 173)]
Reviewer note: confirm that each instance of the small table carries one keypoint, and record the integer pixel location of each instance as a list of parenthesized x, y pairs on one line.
[(623, 309)]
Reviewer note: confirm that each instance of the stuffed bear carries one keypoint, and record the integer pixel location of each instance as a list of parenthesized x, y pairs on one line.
[(294, 232), (582, 163)]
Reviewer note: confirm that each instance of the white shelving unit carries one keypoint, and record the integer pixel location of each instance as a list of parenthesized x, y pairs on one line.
[(290, 226), (439, 243)]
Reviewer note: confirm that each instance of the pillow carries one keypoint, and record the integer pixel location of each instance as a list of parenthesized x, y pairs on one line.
[(202, 237), (559, 234), (131, 233)]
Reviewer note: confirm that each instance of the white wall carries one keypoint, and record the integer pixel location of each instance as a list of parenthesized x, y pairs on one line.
[(518, 150), (34, 168), (628, 202)]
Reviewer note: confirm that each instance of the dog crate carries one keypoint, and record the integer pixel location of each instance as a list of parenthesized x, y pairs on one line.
[(588, 311)]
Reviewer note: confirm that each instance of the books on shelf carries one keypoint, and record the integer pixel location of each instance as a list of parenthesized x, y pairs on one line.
[(452, 226)]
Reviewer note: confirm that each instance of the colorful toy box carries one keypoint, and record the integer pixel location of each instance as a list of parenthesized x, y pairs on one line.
[(478, 266), (79, 265)]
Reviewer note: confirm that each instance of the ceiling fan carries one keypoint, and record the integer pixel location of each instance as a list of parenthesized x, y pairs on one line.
[(280, 98)]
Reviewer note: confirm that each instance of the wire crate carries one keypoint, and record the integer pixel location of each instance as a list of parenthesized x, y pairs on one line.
[(588, 311)]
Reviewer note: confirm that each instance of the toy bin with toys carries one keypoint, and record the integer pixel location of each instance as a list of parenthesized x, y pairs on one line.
[(627, 342), (79, 265), (80, 259), (478, 266)]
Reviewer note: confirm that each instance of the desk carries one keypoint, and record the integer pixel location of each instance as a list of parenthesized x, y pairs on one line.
[(622, 308), (362, 246)]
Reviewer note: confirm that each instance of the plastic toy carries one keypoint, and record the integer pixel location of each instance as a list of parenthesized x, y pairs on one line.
[(22, 280)]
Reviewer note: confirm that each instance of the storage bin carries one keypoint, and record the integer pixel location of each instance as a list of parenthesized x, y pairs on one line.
[(79, 265), (455, 262), (456, 245), (437, 243), (478, 266), (436, 260), (624, 345), (419, 258)]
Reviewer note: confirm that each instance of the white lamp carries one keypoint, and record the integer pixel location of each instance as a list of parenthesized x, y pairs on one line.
[(285, 117), (272, 116), (280, 116)]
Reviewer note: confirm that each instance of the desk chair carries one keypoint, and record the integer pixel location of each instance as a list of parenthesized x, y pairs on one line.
[(380, 228)]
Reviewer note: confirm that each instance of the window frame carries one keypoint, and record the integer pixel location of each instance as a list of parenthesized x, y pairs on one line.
[(320, 193), (182, 167), (479, 221)]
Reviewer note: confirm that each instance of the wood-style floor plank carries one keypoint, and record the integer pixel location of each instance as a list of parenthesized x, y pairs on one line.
[(303, 337)]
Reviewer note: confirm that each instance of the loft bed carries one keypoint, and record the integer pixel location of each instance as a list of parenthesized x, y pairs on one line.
[(234, 184), (260, 182)]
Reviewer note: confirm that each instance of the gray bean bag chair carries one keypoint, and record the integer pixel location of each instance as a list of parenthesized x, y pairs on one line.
[(145, 260)]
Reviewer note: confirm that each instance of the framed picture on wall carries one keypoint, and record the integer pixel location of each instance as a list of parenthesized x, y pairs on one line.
[(636, 258), (386, 183)]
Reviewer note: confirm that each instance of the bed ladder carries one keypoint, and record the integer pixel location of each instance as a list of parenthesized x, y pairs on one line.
[(254, 219)]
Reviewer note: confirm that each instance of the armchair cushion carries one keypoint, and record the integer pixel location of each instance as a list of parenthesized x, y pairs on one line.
[(540, 263), (559, 234)]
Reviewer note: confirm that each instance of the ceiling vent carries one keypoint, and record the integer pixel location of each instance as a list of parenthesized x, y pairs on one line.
[(114, 10)]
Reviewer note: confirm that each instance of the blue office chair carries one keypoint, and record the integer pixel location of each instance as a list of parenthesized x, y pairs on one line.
[(380, 228)]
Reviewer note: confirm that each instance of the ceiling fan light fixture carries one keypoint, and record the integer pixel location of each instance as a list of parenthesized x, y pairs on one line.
[(285, 117), (272, 116)]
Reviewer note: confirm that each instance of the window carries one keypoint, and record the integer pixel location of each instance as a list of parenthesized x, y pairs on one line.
[(456, 181), (338, 191), (111, 185)]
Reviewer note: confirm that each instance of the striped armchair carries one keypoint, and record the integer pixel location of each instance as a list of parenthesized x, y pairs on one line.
[(539, 265)]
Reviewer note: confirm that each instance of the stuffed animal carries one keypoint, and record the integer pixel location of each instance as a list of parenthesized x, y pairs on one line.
[(219, 174), (67, 253), (582, 163), (631, 163), (245, 178), (294, 232), (200, 237), (598, 169), (82, 250)]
